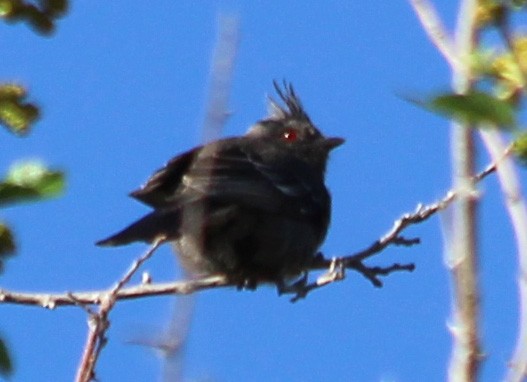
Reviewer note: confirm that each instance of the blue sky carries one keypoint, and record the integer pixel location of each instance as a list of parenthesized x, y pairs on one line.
[(122, 86)]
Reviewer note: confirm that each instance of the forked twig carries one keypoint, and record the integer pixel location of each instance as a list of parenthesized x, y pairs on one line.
[(98, 322)]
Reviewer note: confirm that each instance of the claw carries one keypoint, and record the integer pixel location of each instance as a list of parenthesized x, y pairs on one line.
[(298, 287)]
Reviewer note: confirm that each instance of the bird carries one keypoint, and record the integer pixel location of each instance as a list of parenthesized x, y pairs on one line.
[(254, 208)]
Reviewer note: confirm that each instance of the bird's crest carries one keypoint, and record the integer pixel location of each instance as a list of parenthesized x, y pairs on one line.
[(293, 108)]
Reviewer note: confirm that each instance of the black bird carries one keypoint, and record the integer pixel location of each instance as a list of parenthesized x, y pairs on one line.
[(254, 208)]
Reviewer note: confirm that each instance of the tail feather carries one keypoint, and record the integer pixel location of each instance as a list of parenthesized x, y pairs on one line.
[(147, 229)]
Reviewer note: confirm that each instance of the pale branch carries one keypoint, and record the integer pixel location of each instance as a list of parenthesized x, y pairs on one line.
[(517, 208), (94, 342), (437, 33), (98, 323), (466, 354), (217, 112), (55, 300), (221, 73)]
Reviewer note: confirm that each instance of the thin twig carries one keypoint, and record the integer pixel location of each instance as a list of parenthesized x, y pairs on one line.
[(98, 323), (436, 31), (55, 300)]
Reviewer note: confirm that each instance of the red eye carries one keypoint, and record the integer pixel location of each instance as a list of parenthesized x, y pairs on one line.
[(289, 135)]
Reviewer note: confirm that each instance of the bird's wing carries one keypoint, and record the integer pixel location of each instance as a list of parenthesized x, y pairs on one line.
[(164, 183), (230, 173)]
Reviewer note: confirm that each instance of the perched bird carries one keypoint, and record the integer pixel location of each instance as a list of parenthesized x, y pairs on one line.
[(254, 208)]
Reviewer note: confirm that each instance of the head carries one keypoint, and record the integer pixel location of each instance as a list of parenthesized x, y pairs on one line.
[(289, 127)]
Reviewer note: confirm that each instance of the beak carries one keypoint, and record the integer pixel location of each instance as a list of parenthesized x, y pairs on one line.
[(332, 142)]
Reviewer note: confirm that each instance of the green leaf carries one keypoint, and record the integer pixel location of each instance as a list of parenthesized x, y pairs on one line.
[(6, 366), (519, 3), (41, 15), (6, 8), (7, 244), (56, 8), (12, 91), (520, 147), (490, 12), (39, 20), (473, 108), (30, 181), (16, 114)]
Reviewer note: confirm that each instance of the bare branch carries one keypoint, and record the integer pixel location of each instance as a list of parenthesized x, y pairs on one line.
[(221, 72), (517, 209), (217, 112), (435, 30), (55, 300), (466, 352), (98, 323)]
